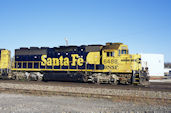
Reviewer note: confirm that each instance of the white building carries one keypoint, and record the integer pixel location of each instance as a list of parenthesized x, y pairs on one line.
[(154, 62)]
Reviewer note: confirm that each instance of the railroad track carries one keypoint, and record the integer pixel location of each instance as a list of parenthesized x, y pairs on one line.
[(155, 101), (156, 93), (154, 86)]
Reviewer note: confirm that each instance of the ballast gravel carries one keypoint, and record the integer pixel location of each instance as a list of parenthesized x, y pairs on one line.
[(83, 90), (18, 103)]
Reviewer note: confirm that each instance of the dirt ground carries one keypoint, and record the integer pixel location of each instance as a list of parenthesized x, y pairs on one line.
[(18, 103)]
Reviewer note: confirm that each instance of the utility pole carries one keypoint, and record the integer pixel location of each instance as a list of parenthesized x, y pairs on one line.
[(66, 41)]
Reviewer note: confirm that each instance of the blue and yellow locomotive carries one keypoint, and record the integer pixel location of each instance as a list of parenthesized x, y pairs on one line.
[(110, 63)]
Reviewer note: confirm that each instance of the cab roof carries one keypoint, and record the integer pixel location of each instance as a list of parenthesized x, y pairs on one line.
[(112, 46)]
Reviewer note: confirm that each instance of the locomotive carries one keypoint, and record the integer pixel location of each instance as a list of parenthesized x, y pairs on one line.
[(5, 62), (110, 63)]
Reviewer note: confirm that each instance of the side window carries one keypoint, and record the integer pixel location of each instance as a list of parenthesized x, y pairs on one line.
[(110, 54), (124, 52)]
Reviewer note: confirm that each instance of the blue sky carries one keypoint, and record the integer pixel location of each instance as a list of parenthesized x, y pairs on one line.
[(144, 25)]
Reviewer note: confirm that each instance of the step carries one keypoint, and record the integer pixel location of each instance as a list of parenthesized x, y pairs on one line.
[(137, 78), (135, 82)]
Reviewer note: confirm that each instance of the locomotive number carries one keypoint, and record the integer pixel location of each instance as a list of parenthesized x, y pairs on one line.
[(110, 61)]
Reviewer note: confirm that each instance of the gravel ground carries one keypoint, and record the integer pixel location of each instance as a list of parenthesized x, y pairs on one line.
[(163, 80), (18, 103), (83, 90)]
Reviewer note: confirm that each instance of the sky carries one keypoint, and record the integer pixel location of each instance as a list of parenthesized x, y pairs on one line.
[(143, 25)]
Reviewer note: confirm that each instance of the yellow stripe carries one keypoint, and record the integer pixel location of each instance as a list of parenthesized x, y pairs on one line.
[(21, 69), (83, 70)]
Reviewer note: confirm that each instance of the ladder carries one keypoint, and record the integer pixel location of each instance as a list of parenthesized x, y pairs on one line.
[(136, 78)]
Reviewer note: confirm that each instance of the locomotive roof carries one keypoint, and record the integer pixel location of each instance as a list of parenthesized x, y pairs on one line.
[(112, 46), (87, 48)]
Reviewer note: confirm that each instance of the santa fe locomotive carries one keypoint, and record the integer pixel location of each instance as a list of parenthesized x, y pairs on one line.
[(110, 63)]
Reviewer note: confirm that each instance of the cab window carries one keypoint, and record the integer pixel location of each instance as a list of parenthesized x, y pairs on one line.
[(124, 52), (110, 54)]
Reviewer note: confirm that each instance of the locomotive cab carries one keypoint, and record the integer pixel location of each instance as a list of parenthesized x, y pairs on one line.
[(117, 60), (114, 55)]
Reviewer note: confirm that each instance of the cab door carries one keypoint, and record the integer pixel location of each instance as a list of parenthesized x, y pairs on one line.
[(109, 60)]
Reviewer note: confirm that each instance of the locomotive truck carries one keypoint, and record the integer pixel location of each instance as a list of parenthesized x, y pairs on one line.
[(110, 63)]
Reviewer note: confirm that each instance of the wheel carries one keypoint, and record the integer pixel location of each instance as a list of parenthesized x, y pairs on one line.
[(98, 81), (114, 83), (40, 78), (43, 79), (84, 78)]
